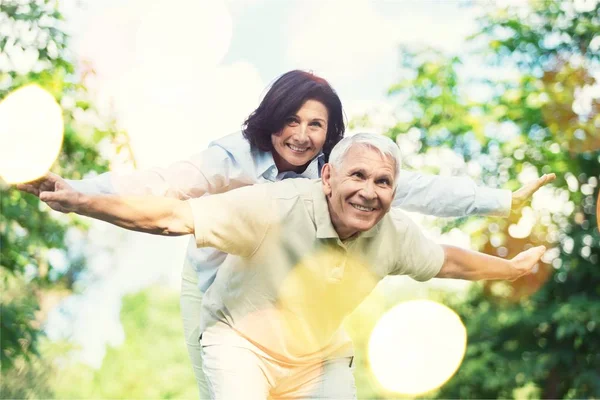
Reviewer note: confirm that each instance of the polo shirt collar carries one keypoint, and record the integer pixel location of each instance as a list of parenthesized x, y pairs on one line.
[(325, 229)]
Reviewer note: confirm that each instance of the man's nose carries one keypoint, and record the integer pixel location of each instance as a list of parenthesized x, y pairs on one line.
[(368, 190)]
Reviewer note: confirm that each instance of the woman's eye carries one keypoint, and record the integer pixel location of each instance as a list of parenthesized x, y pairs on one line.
[(291, 121), (316, 123)]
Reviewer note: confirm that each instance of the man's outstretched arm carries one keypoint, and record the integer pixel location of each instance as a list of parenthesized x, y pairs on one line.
[(155, 215), (474, 266)]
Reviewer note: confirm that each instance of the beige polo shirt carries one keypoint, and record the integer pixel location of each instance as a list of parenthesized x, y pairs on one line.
[(289, 281)]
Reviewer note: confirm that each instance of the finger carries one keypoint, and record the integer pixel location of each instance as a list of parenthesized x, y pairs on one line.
[(550, 177), (541, 181), (546, 178), (27, 188), (539, 251), (47, 186), (51, 196), (38, 181), (534, 256)]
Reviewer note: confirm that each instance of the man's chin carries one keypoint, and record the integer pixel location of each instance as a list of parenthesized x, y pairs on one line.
[(363, 226)]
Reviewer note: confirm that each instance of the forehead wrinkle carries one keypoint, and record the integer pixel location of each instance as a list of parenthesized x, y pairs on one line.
[(369, 169)]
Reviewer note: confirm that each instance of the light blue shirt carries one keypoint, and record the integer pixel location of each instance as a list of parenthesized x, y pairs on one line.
[(229, 163)]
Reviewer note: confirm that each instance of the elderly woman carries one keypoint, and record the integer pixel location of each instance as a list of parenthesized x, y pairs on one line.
[(290, 134)]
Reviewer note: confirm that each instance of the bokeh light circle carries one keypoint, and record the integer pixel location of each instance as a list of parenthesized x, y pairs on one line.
[(31, 134), (416, 347)]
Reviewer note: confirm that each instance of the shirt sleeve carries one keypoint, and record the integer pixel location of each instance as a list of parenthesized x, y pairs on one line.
[(235, 222), (214, 170), (418, 257), (449, 196)]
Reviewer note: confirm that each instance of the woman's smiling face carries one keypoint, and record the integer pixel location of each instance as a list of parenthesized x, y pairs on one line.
[(302, 137)]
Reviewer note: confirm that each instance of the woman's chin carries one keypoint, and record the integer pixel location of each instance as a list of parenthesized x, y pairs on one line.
[(298, 160)]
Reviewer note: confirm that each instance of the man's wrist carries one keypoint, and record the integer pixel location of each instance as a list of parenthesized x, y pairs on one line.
[(513, 272), (81, 204)]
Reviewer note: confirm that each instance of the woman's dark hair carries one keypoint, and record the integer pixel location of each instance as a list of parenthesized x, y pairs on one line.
[(284, 98)]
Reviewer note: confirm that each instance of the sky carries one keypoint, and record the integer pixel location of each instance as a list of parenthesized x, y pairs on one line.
[(199, 68), (177, 74)]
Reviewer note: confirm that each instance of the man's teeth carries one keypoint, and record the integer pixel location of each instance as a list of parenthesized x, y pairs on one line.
[(299, 149), (362, 208)]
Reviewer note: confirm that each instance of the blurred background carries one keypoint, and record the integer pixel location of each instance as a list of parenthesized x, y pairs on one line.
[(503, 91)]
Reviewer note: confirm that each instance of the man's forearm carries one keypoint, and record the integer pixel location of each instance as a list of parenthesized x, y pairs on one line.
[(474, 266), (156, 215)]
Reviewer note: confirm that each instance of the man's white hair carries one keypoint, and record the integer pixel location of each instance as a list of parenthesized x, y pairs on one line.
[(383, 144)]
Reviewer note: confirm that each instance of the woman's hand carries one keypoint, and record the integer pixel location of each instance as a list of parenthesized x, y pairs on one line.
[(521, 196)]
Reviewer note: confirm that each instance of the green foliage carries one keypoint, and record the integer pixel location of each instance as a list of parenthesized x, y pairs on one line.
[(28, 232), (151, 364), (28, 379), (17, 330), (536, 337)]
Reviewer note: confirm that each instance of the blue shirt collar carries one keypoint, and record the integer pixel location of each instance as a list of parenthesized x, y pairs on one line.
[(265, 167)]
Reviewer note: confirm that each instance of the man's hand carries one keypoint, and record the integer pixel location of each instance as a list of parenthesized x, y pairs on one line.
[(521, 196), (524, 262), (61, 197), (47, 183)]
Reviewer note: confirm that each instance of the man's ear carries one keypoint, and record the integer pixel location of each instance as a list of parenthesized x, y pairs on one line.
[(326, 178)]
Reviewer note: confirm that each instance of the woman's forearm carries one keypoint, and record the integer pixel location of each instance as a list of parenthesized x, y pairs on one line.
[(445, 196)]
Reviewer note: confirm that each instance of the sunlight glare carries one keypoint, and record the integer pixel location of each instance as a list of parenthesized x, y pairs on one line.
[(416, 347), (31, 134)]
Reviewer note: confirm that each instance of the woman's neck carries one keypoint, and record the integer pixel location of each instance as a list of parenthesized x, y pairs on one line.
[(284, 166)]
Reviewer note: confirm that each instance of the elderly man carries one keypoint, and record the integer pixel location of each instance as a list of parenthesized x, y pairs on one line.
[(304, 254)]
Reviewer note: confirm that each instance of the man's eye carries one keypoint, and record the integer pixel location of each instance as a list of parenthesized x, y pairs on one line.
[(358, 175), (385, 182)]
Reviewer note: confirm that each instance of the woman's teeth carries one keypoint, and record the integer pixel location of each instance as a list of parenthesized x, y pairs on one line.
[(297, 149)]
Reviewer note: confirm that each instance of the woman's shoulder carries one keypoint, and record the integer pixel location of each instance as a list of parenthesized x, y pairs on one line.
[(237, 145), (237, 150), (234, 142)]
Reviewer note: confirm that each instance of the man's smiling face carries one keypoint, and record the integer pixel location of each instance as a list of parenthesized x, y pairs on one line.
[(360, 191)]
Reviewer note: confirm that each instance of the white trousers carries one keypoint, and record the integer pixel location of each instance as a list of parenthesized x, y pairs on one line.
[(191, 304), (244, 373)]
